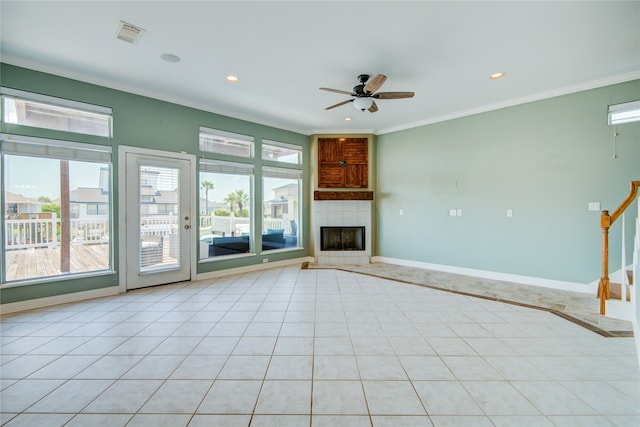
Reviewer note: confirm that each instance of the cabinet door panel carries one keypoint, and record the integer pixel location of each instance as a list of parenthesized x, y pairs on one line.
[(331, 177), (356, 176), (329, 150), (354, 151), (343, 162)]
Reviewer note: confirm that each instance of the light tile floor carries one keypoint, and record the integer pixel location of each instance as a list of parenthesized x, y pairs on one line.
[(292, 347)]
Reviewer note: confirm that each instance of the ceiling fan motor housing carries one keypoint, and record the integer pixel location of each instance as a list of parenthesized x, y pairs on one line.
[(359, 90)]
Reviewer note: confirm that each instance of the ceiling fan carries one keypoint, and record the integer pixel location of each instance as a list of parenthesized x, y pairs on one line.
[(364, 93)]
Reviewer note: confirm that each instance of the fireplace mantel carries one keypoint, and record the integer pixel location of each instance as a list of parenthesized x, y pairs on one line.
[(343, 195)]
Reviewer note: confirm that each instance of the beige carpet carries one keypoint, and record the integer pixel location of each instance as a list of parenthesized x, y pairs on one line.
[(580, 308)]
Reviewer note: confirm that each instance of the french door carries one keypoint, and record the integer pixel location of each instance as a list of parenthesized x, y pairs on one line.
[(158, 210)]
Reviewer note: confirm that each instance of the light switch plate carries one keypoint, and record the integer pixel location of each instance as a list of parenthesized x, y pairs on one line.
[(594, 206)]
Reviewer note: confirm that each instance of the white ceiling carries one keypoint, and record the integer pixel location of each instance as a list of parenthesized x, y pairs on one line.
[(284, 51)]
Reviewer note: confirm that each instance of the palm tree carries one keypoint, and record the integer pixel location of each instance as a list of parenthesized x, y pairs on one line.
[(231, 201), (241, 199), (206, 186), (238, 197)]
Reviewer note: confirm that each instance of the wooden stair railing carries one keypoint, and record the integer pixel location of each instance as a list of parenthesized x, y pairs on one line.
[(606, 221)]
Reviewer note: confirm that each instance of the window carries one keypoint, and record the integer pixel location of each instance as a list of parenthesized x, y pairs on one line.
[(226, 198), (57, 221), (225, 208), (29, 109), (624, 113), (221, 142), (281, 190), (281, 152)]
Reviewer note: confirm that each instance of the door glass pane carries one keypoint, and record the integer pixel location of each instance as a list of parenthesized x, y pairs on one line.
[(57, 217), (159, 218)]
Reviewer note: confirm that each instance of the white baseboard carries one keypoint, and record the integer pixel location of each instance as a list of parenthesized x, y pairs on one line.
[(252, 268), (14, 307), (515, 278)]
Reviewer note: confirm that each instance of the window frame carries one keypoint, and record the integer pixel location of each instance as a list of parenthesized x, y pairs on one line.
[(291, 173), (232, 168), (271, 143), (27, 146), (228, 137), (60, 104)]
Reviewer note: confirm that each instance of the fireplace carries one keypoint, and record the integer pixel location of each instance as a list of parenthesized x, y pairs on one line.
[(342, 214), (342, 238)]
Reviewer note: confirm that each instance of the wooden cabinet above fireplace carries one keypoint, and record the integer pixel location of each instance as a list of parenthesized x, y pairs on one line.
[(343, 163)]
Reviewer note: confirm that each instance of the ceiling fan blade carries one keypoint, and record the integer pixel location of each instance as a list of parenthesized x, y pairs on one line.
[(339, 104), (373, 107), (344, 92), (393, 95), (375, 83)]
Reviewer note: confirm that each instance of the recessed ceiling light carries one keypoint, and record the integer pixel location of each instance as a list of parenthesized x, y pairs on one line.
[(232, 78), (348, 119), (496, 76), (170, 57)]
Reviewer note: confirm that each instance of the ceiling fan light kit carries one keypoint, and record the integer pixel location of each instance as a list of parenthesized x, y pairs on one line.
[(362, 103), (365, 93)]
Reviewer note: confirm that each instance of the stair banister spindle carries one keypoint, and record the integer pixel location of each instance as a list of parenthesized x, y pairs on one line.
[(606, 221), (625, 281)]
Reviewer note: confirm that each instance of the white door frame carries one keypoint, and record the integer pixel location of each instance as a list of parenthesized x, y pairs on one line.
[(122, 203)]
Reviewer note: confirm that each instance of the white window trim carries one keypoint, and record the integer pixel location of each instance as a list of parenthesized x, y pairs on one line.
[(43, 147), (232, 168), (624, 113), (284, 173), (225, 134), (61, 102)]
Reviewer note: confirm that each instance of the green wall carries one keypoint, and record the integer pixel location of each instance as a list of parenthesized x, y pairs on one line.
[(147, 123), (545, 160)]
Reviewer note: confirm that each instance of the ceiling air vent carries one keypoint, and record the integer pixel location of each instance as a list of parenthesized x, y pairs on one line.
[(128, 32)]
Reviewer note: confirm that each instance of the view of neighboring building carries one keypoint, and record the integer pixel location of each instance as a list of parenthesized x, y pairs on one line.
[(285, 201), (18, 204)]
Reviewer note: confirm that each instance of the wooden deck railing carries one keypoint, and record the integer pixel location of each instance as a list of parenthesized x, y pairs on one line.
[(606, 221)]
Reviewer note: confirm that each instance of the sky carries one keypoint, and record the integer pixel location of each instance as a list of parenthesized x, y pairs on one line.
[(34, 177)]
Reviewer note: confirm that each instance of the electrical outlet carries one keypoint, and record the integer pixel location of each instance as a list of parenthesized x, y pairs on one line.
[(265, 260), (459, 212), (401, 211), (509, 213)]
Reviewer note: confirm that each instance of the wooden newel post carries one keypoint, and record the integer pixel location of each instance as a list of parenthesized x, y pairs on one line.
[(604, 285)]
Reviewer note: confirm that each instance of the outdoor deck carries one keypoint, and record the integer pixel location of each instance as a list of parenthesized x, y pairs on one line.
[(43, 262)]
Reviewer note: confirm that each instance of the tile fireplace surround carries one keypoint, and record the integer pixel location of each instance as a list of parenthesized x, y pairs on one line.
[(342, 212)]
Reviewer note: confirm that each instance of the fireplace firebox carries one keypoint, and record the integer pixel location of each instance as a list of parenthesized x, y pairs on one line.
[(342, 239)]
